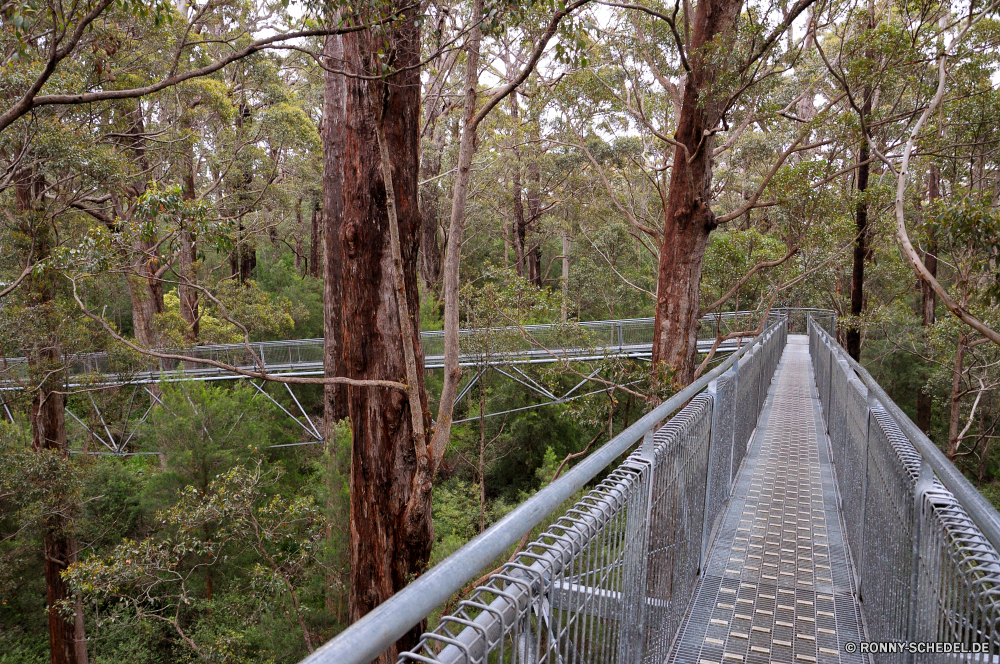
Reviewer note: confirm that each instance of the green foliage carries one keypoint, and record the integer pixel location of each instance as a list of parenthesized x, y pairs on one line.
[(234, 516)]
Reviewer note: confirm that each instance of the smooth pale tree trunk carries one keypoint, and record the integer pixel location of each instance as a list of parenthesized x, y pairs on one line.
[(391, 528), (334, 96), (688, 218), (456, 227), (67, 640), (928, 299), (956, 396)]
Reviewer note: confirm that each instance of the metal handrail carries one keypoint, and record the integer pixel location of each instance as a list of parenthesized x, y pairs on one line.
[(979, 509), (379, 629)]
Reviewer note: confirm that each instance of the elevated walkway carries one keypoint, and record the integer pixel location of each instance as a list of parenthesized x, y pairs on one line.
[(778, 586), (780, 509)]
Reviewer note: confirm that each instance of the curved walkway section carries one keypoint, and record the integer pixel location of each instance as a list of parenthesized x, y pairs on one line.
[(778, 586)]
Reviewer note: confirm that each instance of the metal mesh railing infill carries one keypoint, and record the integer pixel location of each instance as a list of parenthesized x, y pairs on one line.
[(610, 580), (925, 569)]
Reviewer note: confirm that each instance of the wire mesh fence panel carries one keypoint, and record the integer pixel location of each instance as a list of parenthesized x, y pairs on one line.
[(747, 384), (611, 579), (561, 600), (723, 391), (887, 555), (837, 425), (957, 594), (851, 461), (926, 571), (676, 522)]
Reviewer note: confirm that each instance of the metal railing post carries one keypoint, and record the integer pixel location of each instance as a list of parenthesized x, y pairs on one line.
[(924, 483), (713, 442), (870, 405), (635, 566), (732, 443)]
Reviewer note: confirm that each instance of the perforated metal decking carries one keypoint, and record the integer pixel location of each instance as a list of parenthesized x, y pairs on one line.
[(778, 586)]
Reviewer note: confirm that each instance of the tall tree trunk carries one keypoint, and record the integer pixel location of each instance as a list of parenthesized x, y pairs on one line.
[(67, 641), (928, 300), (145, 286), (567, 245), (334, 96), (298, 246), (533, 259), (316, 241), (852, 335), (243, 259), (519, 224), (430, 210), (391, 528), (187, 262), (688, 218)]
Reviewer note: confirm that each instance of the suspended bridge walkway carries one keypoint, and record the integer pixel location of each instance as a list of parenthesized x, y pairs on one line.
[(511, 346), (786, 511)]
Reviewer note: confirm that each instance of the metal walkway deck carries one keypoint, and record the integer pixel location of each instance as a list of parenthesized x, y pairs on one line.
[(778, 586)]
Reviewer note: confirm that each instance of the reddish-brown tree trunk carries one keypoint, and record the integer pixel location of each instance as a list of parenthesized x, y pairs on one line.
[(688, 218), (146, 292), (334, 95), (928, 300), (391, 529), (67, 641)]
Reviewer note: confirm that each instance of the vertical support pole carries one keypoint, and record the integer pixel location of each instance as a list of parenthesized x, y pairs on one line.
[(621, 336), (732, 447), (713, 443), (860, 546), (632, 623), (925, 481)]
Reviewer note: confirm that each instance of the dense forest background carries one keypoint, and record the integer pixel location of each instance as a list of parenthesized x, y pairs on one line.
[(238, 171)]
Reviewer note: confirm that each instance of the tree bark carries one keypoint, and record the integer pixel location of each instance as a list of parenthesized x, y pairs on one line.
[(188, 262), (430, 210), (391, 528), (145, 285), (688, 218), (533, 259), (334, 96), (852, 335), (567, 246), (243, 259), (67, 641), (520, 227), (316, 241), (928, 300)]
